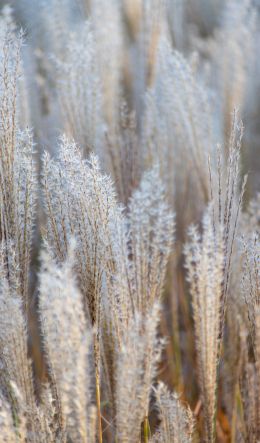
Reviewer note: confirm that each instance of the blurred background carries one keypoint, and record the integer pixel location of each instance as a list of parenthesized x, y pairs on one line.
[(213, 29)]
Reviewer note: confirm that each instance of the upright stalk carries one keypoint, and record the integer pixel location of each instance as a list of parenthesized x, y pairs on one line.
[(146, 430), (100, 438), (97, 360)]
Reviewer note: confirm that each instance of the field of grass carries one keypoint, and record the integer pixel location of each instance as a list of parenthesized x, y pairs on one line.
[(129, 221)]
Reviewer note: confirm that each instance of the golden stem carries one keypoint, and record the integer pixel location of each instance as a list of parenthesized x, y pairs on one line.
[(146, 430)]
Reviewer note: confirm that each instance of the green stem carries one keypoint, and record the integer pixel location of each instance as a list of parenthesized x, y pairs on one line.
[(147, 432)]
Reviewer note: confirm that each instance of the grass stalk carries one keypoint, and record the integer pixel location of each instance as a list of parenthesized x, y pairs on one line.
[(100, 437), (146, 430)]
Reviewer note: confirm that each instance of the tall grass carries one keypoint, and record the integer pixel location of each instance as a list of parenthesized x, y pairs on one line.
[(129, 236)]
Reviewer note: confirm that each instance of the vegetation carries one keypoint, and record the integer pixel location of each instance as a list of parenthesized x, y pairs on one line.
[(129, 232)]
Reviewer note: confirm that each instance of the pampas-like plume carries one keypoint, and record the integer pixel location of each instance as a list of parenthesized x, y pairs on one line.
[(109, 54), (15, 366), (67, 341), (17, 174), (137, 363), (151, 227), (177, 423), (205, 265), (250, 389), (250, 220), (8, 432), (142, 242), (232, 58), (251, 288), (80, 202), (122, 154), (250, 379), (80, 101), (226, 192), (178, 119)]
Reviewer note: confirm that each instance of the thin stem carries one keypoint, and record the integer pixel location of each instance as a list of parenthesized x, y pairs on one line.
[(100, 437), (146, 430)]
